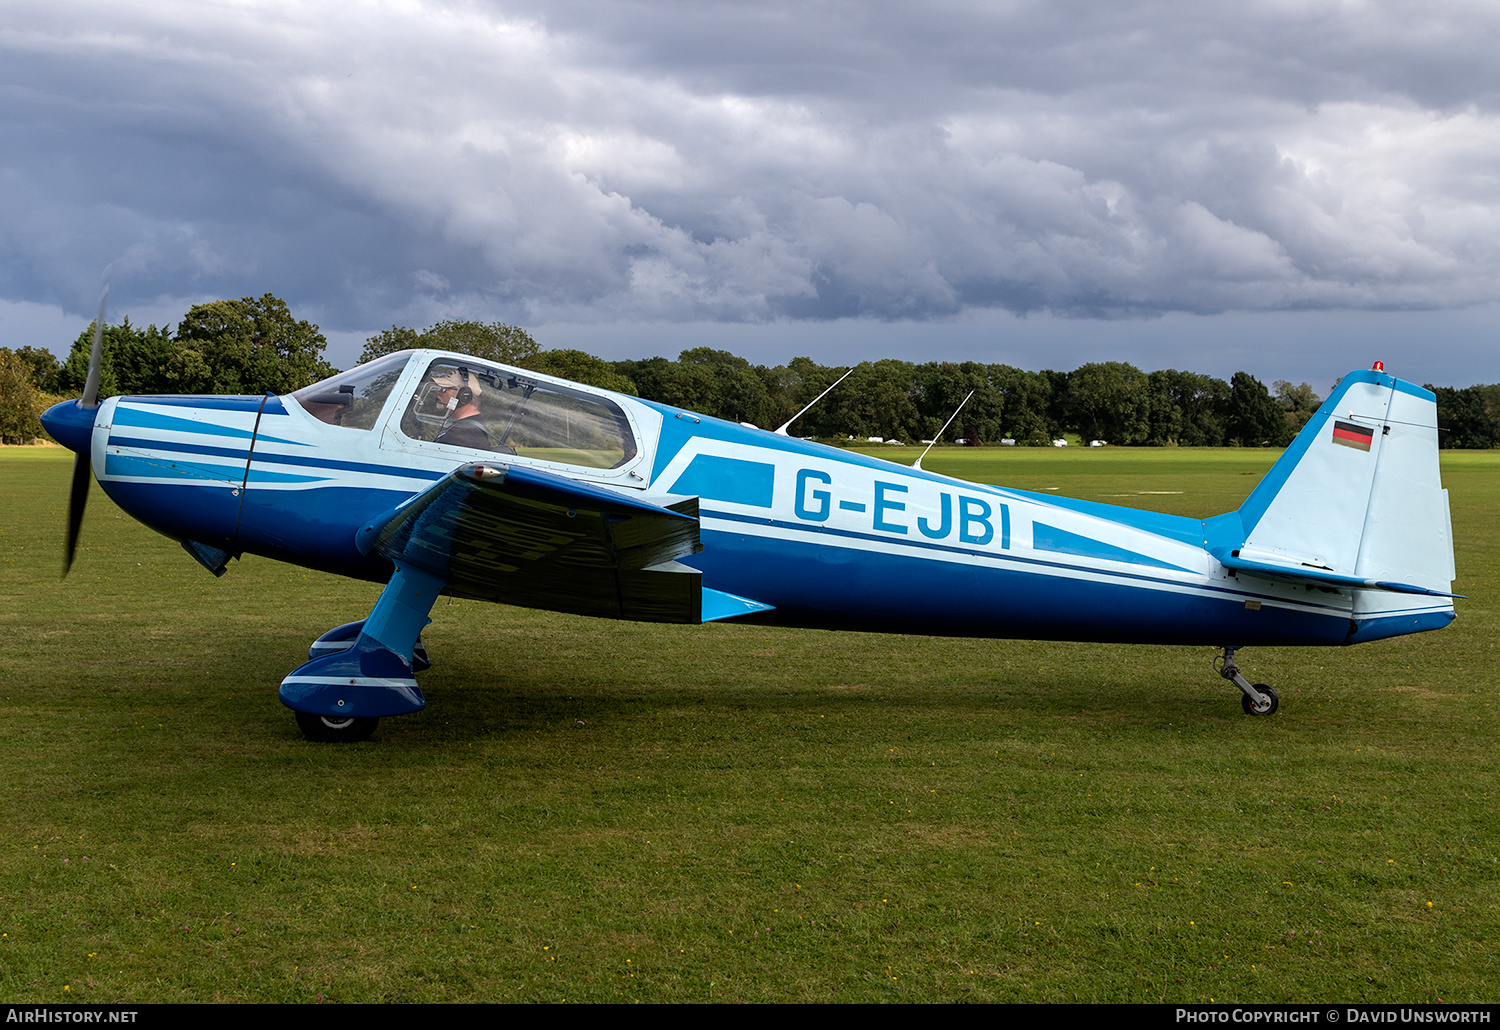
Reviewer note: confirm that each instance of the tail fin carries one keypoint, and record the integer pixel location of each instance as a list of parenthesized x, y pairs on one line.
[(1355, 502)]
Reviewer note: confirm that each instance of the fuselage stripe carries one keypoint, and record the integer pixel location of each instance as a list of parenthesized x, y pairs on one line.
[(351, 466), (1002, 559), (262, 458)]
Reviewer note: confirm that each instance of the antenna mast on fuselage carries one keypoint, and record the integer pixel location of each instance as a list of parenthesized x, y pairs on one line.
[(918, 463), (782, 431)]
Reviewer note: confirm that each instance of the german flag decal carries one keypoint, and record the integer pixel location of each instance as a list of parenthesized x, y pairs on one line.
[(1350, 435)]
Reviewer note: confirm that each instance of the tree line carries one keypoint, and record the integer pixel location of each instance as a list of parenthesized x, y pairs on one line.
[(254, 345), (249, 345)]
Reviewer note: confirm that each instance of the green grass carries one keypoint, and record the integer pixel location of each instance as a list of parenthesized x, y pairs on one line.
[(599, 811)]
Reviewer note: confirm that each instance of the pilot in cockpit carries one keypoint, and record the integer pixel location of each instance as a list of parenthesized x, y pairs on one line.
[(458, 391)]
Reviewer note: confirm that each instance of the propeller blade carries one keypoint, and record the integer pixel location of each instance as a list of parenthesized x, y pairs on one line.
[(90, 398), (78, 497)]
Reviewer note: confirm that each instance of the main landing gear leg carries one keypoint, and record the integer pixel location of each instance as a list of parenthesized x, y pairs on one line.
[(340, 693), (1257, 700), (341, 638)]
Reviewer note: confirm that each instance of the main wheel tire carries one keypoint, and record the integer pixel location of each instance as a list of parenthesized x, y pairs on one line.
[(1251, 709), (333, 729)]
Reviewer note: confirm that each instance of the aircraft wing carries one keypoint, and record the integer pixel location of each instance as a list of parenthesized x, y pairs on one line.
[(518, 536)]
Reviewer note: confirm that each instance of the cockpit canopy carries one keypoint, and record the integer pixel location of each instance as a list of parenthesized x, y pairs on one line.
[(471, 404), (354, 399)]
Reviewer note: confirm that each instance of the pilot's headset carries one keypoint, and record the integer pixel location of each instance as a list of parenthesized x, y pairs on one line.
[(466, 389), (465, 393)]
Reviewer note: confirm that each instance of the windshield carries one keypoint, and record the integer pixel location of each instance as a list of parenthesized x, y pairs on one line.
[(468, 405), (354, 399)]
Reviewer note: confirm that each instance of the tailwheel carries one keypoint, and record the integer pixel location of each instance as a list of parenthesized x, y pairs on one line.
[(1266, 707), (335, 729), (1255, 700)]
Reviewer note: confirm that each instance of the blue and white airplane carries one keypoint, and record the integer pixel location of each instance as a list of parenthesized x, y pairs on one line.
[(437, 473)]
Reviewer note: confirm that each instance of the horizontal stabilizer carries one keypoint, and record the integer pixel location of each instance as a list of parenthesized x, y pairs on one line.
[(1304, 574)]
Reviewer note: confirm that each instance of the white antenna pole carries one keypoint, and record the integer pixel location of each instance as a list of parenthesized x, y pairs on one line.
[(782, 431), (918, 463)]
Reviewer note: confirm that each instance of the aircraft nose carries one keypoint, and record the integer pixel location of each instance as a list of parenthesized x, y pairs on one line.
[(70, 425)]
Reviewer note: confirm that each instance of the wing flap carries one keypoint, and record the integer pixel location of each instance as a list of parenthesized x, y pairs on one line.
[(518, 536)]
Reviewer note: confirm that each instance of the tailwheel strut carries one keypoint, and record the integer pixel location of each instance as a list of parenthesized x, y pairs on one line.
[(1255, 700)]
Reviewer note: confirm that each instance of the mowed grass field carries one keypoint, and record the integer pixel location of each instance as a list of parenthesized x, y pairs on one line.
[(597, 811)]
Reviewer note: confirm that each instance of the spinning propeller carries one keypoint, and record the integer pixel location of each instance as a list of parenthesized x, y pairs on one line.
[(82, 473)]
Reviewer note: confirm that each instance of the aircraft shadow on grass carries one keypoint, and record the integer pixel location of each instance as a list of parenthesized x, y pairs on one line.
[(436, 473)]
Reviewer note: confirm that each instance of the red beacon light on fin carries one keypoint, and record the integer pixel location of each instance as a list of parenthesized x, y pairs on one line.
[(1380, 366)]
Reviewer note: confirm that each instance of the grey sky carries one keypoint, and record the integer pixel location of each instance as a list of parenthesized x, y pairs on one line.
[(1281, 187)]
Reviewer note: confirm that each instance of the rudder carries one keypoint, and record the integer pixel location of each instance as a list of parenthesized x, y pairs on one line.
[(1355, 502)]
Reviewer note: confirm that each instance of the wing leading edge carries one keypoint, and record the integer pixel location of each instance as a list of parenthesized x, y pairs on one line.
[(518, 536)]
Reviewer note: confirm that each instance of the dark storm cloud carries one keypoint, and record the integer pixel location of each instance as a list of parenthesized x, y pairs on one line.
[(916, 57), (584, 162)]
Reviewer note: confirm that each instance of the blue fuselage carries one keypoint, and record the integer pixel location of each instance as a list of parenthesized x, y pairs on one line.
[(825, 537)]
